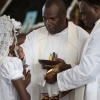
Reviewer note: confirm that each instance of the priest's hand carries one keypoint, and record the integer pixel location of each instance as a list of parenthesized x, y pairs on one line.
[(62, 65), (20, 52), (48, 67), (51, 77)]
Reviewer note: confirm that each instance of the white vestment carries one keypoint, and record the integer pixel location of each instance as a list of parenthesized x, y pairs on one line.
[(54, 43), (88, 71)]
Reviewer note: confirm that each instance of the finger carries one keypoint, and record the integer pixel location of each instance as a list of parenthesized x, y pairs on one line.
[(24, 72), (25, 66), (47, 66), (60, 60), (21, 55), (47, 80), (19, 48), (29, 79), (28, 75)]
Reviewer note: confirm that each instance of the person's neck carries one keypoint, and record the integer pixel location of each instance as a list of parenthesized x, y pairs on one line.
[(65, 25)]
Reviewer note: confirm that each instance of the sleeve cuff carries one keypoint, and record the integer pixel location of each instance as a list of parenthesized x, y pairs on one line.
[(18, 74), (60, 82)]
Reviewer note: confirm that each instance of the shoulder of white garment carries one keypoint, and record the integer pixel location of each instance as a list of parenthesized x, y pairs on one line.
[(82, 35), (36, 32), (10, 65), (82, 32)]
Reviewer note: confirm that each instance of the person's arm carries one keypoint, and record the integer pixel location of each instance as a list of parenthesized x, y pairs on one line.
[(86, 71), (21, 89)]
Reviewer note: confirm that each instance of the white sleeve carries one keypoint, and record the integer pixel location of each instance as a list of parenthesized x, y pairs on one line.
[(82, 38), (12, 69), (29, 47), (86, 71)]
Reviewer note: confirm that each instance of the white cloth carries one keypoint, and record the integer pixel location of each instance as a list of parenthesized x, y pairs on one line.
[(10, 69), (6, 37), (8, 29), (55, 43), (88, 71), (72, 57), (17, 25)]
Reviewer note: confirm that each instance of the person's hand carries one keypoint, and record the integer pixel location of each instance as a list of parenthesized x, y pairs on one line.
[(25, 66), (62, 65), (48, 67), (27, 77), (51, 77), (20, 53)]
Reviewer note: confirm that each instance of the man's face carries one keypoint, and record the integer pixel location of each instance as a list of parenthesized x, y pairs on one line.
[(88, 14), (53, 19)]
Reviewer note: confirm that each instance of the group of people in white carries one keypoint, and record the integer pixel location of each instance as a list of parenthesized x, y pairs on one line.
[(78, 56)]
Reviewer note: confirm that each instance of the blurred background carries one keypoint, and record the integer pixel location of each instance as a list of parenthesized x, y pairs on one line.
[(29, 13)]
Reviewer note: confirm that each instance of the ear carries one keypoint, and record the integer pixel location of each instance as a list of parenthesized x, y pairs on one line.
[(96, 8)]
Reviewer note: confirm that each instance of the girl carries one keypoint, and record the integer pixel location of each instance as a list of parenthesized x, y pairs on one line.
[(12, 85)]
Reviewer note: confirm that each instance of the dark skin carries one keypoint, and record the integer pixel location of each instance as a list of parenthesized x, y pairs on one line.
[(12, 50), (90, 13), (51, 78), (27, 77), (62, 65), (26, 74), (20, 53), (21, 89), (54, 19), (21, 84)]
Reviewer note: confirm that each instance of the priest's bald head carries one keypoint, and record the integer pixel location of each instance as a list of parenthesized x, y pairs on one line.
[(54, 16), (90, 10)]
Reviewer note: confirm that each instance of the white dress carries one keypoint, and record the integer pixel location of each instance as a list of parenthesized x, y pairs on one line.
[(10, 69)]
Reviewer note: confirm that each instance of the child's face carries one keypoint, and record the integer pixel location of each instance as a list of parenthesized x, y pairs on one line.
[(12, 49), (12, 46)]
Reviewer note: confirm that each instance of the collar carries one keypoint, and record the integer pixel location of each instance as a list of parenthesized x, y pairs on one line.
[(97, 22)]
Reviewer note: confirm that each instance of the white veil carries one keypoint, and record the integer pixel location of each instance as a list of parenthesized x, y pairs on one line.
[(7, 27), (6, 37)]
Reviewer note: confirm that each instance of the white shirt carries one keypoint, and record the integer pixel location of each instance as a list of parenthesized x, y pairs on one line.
[(55, 43), (10, 69), (88, 71)]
